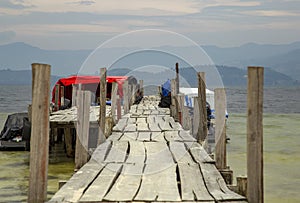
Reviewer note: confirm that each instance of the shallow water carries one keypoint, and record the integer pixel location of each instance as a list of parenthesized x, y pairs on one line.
[(281, 145), (14, 171), (281, 154)]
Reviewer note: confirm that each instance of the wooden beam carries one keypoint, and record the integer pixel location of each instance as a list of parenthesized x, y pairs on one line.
[(141, 82), (126, 96), (220, 128), (202, 127), (102, 114), (57, 97), (62, 95), (255, 135), (39, 144), (114, 101), (74, 94), (82, 128)]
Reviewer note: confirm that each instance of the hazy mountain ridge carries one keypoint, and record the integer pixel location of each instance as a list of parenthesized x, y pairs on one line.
[(284, 61)]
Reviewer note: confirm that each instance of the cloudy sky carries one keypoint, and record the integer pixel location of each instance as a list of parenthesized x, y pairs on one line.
[(84, 24)]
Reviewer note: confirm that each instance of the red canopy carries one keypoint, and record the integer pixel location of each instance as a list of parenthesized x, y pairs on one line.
[(90, 83)]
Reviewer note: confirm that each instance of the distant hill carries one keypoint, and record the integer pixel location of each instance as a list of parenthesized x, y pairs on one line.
[(231, 76), (283, 59)]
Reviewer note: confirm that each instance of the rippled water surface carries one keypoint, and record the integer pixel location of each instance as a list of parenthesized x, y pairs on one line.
[(281, 145)]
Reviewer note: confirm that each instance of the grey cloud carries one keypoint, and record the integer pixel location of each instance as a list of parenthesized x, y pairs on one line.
[(9, 4), (84, 2)]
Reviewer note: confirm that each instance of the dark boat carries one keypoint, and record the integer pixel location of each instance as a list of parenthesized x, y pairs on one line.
[(15, 134)]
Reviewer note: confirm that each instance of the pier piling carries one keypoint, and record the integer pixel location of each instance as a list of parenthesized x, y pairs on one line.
[(39, 143)]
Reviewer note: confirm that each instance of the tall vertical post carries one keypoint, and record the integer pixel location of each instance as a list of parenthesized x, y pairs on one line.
[(220, 130), (202, 127), (174, 111), (82, 128), (102, 113), (62, 95), (114, 101), (57, 97), (177, 78), (141, 82), (255, 189), (39, 143), (74, 94), (126, 96)]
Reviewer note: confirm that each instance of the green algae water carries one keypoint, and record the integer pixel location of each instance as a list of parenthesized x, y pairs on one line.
[(281, 154), (14, 171), (281, 145)]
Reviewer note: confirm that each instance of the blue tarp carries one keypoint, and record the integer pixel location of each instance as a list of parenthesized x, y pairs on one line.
[(166, 88)]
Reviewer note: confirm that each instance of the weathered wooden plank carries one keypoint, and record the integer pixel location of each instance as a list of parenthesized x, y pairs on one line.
[(158, 136), (172, 136), (192, 184), (198, 153), (159, 185), (127, 184), (180, 153), (74, 188), (216, 184), (118, 152), (101, 185), (164, 124), (142, 126), (115, 136), (185, 135), (137, 153), (129, 136), (174, 125), (159, 155), (144, 136), (154, 127), (101, 151), (131, 127), (120, 125)]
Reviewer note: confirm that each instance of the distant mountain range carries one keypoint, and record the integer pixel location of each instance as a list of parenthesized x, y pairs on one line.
[(231, 76), (281, 62)]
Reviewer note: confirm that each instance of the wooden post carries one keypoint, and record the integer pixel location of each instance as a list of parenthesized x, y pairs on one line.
[(39, 144), (141, 82), (62, 95), (114, 101), (180, 99), (74, 95), (177, 78), (202, 128), (118, 107), (68, 142), (174, 110), (102, 114), (220, 130), (241, 183), (82, 128), (255, 135), (57, 97), (196, 118), (133, 94), (125, 96)]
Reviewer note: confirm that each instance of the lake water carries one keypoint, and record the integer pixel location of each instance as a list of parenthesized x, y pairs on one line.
[(281, 145)]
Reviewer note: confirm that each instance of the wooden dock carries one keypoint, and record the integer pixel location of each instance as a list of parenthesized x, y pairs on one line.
[(148, 158)]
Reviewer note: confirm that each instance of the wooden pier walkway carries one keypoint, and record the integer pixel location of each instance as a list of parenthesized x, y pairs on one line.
[(148, 158)]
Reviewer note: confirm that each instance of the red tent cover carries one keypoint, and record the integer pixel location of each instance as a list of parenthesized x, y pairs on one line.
[(90, 83)]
